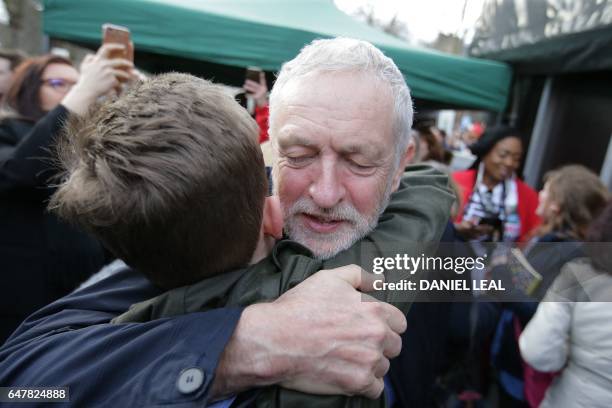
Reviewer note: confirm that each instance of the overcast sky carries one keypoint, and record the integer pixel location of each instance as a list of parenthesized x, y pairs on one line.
[(424, 19)]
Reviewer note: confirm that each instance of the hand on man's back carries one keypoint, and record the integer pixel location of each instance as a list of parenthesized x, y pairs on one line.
[(321, 337)]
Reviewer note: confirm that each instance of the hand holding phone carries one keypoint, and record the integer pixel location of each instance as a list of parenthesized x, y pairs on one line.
[(99, 75), (255, 85), (470, 230), (114, 34), (253, 74)]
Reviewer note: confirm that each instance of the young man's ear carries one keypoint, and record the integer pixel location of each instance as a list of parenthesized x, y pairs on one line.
[(405, 160), (272, 222)]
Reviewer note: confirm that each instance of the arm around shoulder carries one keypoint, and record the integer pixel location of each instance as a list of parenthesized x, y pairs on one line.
[(70, 343)]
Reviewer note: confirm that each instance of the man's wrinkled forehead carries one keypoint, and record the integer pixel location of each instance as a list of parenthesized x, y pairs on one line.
[(336, 96), (352, 110), (312, 80)]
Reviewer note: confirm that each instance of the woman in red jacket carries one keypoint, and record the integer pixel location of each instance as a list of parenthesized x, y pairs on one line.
[(495, 204)]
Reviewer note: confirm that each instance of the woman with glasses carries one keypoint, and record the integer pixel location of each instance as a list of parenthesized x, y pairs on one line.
[(43, 258), (39, 85)]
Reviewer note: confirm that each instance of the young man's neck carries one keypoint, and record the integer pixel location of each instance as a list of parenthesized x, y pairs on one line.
[(263, 248), (271, 229)]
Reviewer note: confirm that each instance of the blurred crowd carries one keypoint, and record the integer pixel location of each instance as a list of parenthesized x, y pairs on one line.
[(508, 352), (550, 227)]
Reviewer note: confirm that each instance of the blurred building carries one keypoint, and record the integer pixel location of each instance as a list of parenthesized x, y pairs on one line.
[(561, 52), (449, 43), (21, 26)]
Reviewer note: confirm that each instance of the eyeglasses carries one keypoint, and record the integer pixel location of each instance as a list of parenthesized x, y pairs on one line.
[(59, 84)]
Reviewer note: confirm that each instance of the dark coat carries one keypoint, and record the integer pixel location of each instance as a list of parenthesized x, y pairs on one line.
[(70, 343), (547, 256), (428, 344), (42, 257), (418, 212)]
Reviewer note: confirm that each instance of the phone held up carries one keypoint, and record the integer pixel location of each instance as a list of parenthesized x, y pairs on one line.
[(253, 73), (114, 34)]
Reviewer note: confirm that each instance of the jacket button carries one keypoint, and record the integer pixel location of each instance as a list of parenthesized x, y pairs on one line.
[(190, 380)]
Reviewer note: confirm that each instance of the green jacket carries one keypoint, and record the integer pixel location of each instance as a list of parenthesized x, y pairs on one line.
[(412, 224)]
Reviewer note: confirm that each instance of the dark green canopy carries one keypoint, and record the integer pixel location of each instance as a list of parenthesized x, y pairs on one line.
[(266, 33)]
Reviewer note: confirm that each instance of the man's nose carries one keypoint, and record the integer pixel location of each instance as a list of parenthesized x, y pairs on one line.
[(327, 190)]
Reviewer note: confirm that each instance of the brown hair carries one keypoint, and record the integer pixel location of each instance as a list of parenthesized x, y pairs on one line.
[(169, 177), (600, 236), (580, 195), (435, 148), (23, 96)]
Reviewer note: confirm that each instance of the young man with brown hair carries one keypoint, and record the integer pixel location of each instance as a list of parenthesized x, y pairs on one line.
[(171, 179)]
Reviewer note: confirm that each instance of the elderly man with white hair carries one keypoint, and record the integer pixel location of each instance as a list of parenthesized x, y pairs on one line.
[(340, 119), (340, 123)]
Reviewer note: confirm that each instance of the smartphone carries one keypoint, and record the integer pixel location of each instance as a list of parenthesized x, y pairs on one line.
[(498, 228), (253, 73), (115, 34), (492, 221)]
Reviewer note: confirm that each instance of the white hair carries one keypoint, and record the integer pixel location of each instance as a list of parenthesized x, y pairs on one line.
[(350, 55)]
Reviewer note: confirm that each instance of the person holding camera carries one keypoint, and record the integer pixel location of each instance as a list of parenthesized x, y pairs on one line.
[(44, 258), (496, 205)]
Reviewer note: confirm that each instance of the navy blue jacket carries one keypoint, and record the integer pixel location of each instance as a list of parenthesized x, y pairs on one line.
[(71, 343)]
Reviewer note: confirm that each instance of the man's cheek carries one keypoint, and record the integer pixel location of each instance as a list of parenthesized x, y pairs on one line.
[(364, 196), (367, 194), (291, 185)]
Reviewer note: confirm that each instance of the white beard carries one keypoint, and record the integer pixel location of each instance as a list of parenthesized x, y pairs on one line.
[(326, 245)]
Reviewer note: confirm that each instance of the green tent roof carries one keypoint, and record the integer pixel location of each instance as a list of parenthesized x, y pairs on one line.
[(266, 33)]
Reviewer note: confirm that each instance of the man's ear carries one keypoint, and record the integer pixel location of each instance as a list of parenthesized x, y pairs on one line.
[(404, 161), (272, 222)]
